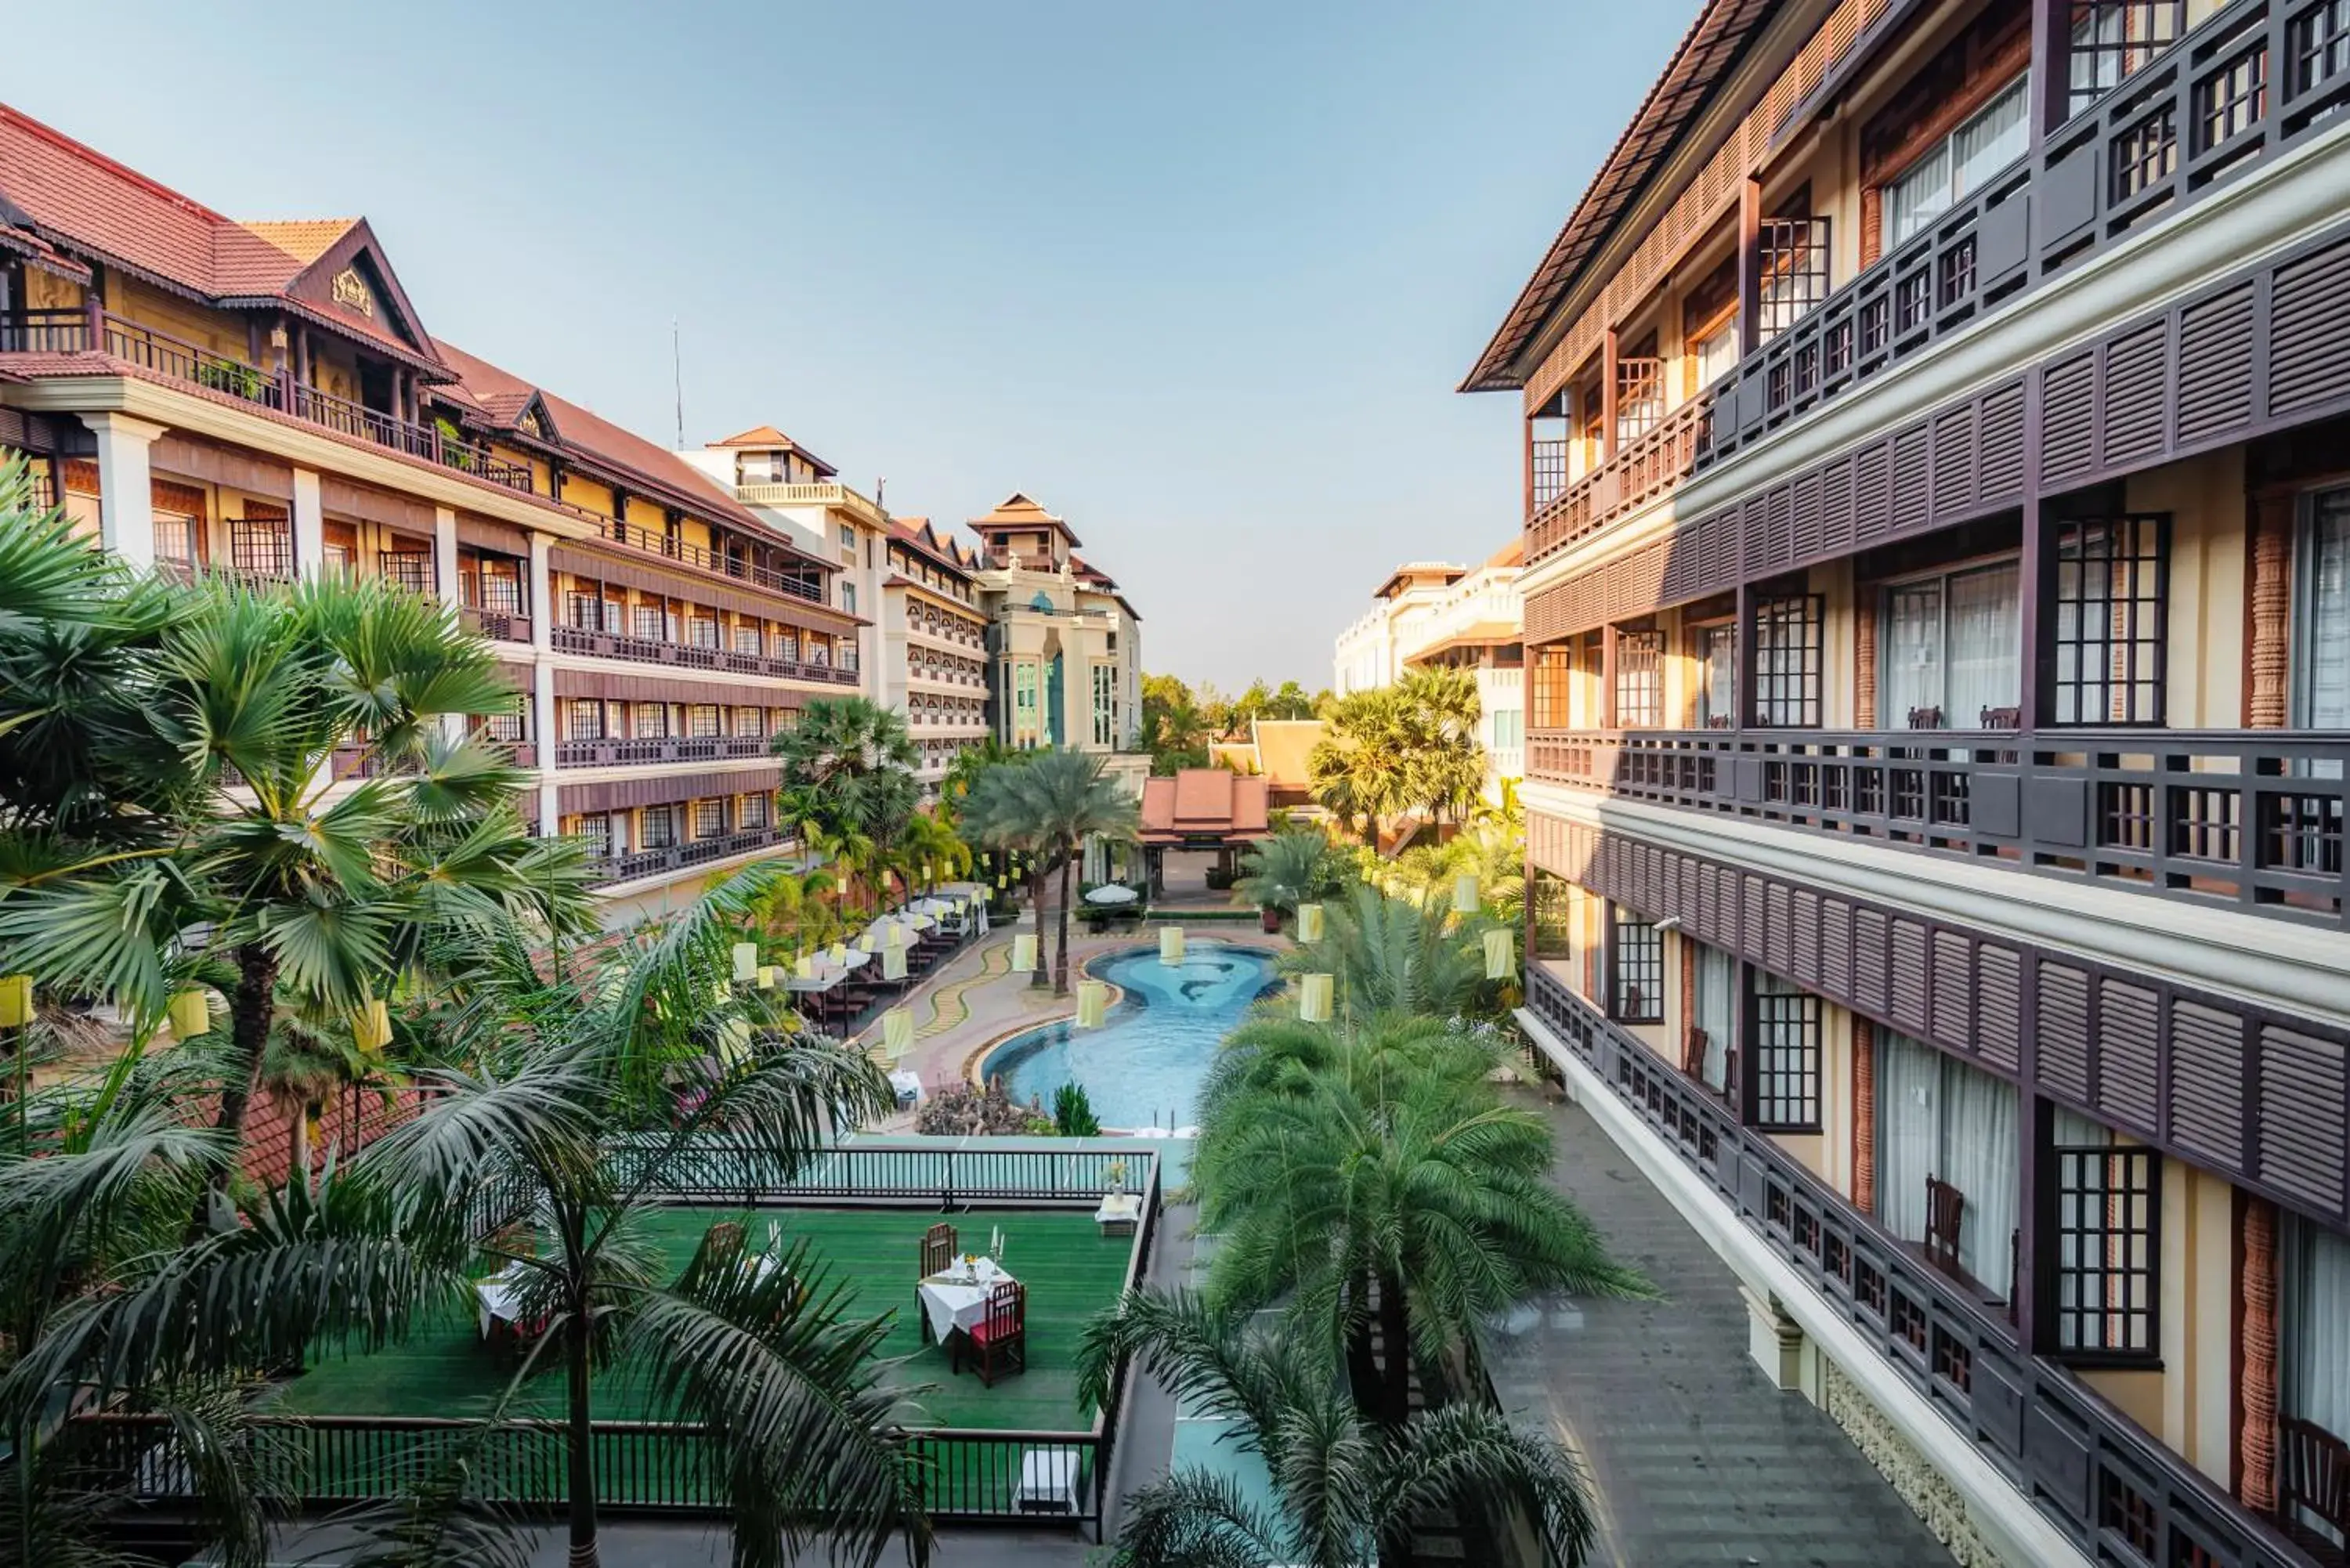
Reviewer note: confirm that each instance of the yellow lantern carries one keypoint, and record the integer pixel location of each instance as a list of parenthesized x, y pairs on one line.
[(897, 1031), (839, 956), (1309, 922), (804, 967), (1001, 880), (1170, 945), (893, 963), (190, 1014), (896, 935), (1314, 998), (1023, 951), (767, 977), (1092, 1003), (927, 878), (15, 1001), (865, 941), (372, 1026), (720, 995), (734, 1040), (1499, 954), (1464, 893), (746, 961)]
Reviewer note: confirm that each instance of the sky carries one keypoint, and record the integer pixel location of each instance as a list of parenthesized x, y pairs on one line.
[(1198, 276)]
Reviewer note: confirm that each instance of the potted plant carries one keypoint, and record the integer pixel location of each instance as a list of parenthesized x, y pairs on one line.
[(1113, 1176)]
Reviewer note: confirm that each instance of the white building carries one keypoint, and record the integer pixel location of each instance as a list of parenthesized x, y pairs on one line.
[(1435, 614)]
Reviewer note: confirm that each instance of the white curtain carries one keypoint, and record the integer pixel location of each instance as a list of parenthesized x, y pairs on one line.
[(1717, 993), (1986, 636), (1938, 1116), (2324, 697), (2317, 1327), (1909, 663)]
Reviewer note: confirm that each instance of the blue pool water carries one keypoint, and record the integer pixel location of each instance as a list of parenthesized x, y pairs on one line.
[(1144, 1065)]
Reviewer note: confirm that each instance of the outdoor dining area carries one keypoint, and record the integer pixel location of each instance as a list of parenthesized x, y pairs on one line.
[(835, 987), (971, 1307)]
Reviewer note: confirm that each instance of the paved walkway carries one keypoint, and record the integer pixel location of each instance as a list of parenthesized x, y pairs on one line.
[(1698, 1460)]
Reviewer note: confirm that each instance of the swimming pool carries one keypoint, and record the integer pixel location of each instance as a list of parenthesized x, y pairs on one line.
[(1143, 1066)]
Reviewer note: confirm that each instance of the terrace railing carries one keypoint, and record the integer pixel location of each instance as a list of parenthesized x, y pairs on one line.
[(723, 562)]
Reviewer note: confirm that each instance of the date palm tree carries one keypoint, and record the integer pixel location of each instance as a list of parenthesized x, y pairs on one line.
[(996, 815), (1058, 799), (1343, 1491)]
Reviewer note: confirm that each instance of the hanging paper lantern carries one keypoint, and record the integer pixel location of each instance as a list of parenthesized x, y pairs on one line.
[(893, 963), (840, 955), (1464, 893), (746, 961), (897, 1031), (720, 995), (804, 967), (372, 1026), (1314, 998), (190, 1014), (865, 943), (1170, 945), (15, 1001), (734, 1040), (767, 976), (1001, 880), (896, 935), (1499, 954), (1023, 951), (1092, 1003), (926, 872), (1309, 922)]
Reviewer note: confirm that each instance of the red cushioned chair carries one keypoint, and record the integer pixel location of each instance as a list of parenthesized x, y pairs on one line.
[(1002, 1337)]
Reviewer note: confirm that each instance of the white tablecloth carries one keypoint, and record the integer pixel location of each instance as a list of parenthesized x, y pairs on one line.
[(1120, 1209), (497, 1298), (955, 1300)]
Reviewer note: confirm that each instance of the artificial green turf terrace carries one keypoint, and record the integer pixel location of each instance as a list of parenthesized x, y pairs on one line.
[(1071, 1270)]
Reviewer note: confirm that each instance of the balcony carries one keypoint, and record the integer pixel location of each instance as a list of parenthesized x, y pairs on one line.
[(1650, 466), (175, 359), (829, 493), (499, 625), (2248, 819), (718, 562), (2119, 1495), (690, 656), (643, 863), (650, 750)]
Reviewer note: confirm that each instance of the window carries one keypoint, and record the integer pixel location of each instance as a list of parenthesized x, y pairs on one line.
[(584, 612), (849, 540), (175, 538), (408, 569), (787, 646), (702, 721), (2320, 582), (1105, 705), (1715, 1014), (2108, 1244), (746, 640), (506, 727), (1937, 1116), (595, 833), (660, 827), (750, 722), (1024, 703), (2112, 585), (848, 653), (1717, 672), (710, 818), (1549, 680), (2113, 39), (1787, 661), (1640, 680), (1786, 1056), (2314, 1332), (649, 720), (1950, 651), (817, 651), (260, 547), (647, 621), (499, 587), (753, 811), (1509, 729), (1715, 355), (1995, 137), (584, 720), (848, 596), (1638, 981)]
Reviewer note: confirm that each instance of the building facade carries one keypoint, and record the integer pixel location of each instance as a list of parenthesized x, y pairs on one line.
[(1431, 615), (1937, 524), (203, 394)]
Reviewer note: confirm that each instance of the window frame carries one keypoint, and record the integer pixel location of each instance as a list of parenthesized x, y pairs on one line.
[(1941, 577), (1636, 956), (2158, 639), (1945, 146), (1641, 677), (1774, 1061), (1774, 690), (2068, 1164)]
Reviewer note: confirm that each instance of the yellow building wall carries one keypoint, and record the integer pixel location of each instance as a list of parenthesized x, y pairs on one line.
[(215, 331), (2205, 661)]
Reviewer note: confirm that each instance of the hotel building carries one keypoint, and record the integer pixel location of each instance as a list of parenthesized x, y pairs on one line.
[(1434, 615), (262, 398), (1937, 586)]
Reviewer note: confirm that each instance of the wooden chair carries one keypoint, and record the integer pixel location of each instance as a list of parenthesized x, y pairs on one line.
[(1002, 1336), (1693, 1046), (938, 1255), (2313, 1483), (1946, 1211)]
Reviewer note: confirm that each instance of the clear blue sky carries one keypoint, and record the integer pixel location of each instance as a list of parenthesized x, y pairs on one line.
[(1200, 276)]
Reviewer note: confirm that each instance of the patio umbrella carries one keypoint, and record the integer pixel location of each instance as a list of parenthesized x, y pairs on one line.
[(1112, 893)]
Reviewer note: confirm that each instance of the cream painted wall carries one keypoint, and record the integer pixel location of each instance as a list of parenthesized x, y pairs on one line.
[(2205, 497)]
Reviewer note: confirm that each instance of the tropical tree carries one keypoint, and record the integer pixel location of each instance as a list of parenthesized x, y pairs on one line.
[(1393, 954), (1176, 727), (1294, 866), (1343, 1489), (932, 845), (1062, 799), (963, 770), (1400, 749), (848, 763), (996, 815), (584, 1107)]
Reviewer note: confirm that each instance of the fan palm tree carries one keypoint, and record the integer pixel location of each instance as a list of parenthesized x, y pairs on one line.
[(224, 732), (848, 766), (1387, 953), (1294, 866), (585, 1106), (964, 769), (932, 845), (1343, 1489), (1062, 799)]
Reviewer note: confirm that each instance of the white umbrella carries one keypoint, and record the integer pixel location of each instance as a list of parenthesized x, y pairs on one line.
[(1112, 893)]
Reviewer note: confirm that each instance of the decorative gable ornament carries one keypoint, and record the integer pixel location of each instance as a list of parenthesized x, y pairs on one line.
[(351, 290)]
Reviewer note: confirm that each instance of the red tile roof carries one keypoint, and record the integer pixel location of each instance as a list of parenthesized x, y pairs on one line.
[(918, 536), (1016, 511), (1203, 803), (768, 437)]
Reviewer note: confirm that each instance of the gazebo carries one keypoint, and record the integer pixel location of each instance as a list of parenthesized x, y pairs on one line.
[(1202, 809)]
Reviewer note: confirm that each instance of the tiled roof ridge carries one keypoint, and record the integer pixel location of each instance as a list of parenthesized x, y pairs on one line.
[(113, 166)]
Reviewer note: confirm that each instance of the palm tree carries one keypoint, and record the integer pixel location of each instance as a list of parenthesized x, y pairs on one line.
[(584, 1105), (1373, 1176), (848, 764), (932, 845), (964, 770), (1390, 953), (1065, 798), (1343, 1488), (1294, 866), (220, 734), (996, 815)]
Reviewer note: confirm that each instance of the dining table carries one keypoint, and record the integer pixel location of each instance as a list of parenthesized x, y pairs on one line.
[(955, 1298)]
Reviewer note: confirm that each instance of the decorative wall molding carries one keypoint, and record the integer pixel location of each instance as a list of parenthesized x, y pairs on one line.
[(1929, 1493)]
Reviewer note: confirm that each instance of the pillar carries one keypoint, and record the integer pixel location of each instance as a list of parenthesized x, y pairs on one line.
[(1863, 1115), (1608, 717), (2256, 1309), (2269, 618), (444, 555), (1749, 266), (125, 500), (1608, 372), (542, 684), (309, 525)]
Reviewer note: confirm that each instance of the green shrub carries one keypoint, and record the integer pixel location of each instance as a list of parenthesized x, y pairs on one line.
[(1073, 1112)]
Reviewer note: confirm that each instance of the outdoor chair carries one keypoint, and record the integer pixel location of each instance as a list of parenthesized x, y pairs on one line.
[(1945, 1209), (938, 1256), (1002, 1337), (2313, 1489)]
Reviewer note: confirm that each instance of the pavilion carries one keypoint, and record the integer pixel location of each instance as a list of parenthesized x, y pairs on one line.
[(1202, 809)]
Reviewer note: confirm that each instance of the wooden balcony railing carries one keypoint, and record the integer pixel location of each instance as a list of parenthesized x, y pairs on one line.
[(1642, 470), (2246, 84), (2253, 819), (502, 625), (718, 562), (691, 656), (2120, 1496), (678, 857), (645, 750)]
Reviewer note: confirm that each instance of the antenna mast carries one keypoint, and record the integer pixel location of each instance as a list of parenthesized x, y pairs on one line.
[(677, 373)]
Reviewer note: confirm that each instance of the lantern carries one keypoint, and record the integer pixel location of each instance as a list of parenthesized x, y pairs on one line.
[(190, 1014), (719, 993), (927, 878), (1023, 951), (896, 935), (372, 1026), (865, 942), (897, 1031), (734, 1040), (1309, 922), (804, 967), (1002, 881), (1170, 945), (1314, 997), (1499, 954), (1464, 893), (893, 963), (746, 961), (15, 1001), (839, 956), (767, 976), (1092, 1003)]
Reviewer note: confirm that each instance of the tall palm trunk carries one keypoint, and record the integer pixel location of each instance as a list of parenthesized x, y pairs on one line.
[(1061, 967), (1362, 1356), (1395, 1332), (249, 1011), (1042, 976), (580, 1451)]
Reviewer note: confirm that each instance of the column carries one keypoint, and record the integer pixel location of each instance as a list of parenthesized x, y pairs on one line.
[(444, 555), (1749, 266), (309, 525), (541, 686), (1609, 346), (126, 500), (1607, 714)]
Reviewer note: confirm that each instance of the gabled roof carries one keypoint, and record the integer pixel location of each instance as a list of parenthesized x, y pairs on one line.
[(1513, 554), (1016, 511), (1707, 52), (918, 534), (1203, 803), (63, 198), (1412, 572), (768, 438)]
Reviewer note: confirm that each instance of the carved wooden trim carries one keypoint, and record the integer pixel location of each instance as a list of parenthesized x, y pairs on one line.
[(1863, 689), (2257, 1345), (1863, 1115), (2269, 620)]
